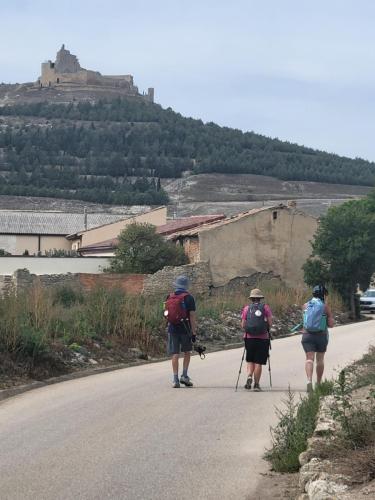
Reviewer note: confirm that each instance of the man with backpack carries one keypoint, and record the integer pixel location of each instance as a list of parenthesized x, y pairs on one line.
[(317, 317), (180, 313), (256, 322)]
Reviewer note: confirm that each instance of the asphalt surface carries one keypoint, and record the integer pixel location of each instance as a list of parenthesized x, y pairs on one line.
[(129, 435)]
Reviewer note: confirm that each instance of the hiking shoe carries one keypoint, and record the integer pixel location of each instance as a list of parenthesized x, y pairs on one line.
[(309, 387), (249, 381), (257, 388), (175, 385), (186, 381)]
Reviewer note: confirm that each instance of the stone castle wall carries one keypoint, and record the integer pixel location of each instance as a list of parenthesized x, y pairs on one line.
[(66, 70)]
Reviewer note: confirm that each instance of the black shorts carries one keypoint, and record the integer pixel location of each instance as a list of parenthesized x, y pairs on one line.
[(315, 342), (257, 351)]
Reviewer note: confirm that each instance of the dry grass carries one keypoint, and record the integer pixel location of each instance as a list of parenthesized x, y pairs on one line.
[(33, 322), (280, 298)]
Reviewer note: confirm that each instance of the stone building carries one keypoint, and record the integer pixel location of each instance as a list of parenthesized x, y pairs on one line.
[(269, 240), (66, 71)]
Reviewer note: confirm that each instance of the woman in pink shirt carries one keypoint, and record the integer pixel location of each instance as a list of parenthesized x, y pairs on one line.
[(256, 322)]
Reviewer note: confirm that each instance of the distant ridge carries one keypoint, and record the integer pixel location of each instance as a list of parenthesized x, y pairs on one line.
[(116, 150)]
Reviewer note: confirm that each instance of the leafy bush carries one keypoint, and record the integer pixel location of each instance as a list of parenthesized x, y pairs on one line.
[(67, 296), (142, 250), (357, 420)]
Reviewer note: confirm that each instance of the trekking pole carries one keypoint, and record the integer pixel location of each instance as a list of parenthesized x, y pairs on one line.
[(269, 358), (269, 369), (239, 373)]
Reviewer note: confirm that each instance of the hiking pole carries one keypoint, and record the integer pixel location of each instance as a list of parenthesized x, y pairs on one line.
[(295, 328), (239, 373), (269, 369), (269, 357)]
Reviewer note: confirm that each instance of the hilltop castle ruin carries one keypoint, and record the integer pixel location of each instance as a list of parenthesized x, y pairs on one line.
[(67, 73)]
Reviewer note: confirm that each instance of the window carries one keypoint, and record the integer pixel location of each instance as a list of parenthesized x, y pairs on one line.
[(274, 215)]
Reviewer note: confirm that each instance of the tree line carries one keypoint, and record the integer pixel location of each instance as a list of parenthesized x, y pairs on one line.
[(103, 146)]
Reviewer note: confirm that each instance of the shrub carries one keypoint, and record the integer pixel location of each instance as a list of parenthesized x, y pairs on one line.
[(67, 296), (356, 419), (296, 424), (142, 250)]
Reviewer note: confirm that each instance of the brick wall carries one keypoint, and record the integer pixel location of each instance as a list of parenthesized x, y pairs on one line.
[(131, 284)]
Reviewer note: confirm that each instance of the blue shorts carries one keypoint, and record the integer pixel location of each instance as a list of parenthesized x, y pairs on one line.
[(177, 342)]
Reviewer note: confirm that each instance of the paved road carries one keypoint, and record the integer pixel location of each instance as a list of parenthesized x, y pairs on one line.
[(128, 435)]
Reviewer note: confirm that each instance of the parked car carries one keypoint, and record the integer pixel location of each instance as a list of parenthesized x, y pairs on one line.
[(367, 300)]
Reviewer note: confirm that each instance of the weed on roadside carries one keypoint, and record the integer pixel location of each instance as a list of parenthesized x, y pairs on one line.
[(296, 424)]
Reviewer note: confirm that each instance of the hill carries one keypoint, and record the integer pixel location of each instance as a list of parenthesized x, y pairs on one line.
[(116, 151)]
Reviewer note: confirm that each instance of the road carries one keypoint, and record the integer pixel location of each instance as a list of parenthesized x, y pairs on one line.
[(128, 435)]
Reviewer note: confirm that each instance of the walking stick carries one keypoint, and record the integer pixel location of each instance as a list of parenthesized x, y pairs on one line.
[(269, 369), (269, 359), (239, 373)]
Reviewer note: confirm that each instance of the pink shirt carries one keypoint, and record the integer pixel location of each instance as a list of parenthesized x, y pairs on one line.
[(267, 315)]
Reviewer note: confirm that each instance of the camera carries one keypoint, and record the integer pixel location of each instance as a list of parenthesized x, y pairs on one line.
[(200, 349)]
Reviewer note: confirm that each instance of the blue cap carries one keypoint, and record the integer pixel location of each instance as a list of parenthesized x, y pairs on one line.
[(181, 283)]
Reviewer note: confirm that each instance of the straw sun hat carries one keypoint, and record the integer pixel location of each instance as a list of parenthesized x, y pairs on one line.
[(256, 294)]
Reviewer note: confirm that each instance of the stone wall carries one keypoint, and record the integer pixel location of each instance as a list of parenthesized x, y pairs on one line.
[(162, 281), (246, 283)]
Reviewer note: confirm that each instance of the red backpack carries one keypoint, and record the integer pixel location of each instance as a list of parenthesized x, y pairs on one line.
[(174, 310)]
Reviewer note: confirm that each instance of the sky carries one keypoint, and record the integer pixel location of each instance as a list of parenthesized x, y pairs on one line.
[(299, 70)]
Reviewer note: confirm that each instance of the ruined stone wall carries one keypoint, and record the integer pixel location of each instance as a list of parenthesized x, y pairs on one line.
[(244, 284), (6, 285), (161, 283)]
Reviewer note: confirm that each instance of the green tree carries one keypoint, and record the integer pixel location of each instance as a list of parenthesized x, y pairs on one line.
[(344, 248), (142, 250)]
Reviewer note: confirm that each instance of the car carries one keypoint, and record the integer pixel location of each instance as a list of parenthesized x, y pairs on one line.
[(367, 300)]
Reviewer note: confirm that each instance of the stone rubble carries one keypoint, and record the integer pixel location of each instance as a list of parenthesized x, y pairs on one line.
[(317, 477)]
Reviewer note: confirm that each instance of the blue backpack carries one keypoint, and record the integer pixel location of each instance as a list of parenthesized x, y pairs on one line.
[(314, 317)]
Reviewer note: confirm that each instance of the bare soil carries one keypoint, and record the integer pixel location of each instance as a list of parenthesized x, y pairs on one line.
[(234, 193), (274, 485)]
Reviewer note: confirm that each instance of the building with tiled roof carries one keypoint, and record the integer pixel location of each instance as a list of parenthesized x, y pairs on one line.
[(269, 240), (108, 247)]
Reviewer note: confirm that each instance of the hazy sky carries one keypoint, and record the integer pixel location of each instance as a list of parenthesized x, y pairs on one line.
[(300, 70)]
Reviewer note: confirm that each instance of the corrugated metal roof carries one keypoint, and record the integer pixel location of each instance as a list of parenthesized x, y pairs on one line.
[(59, 223)]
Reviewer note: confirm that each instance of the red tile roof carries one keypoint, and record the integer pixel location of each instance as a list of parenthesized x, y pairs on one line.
[(177, 225), (173, 226)]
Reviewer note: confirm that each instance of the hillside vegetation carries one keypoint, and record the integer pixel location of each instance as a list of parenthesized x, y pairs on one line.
[(117, 151)]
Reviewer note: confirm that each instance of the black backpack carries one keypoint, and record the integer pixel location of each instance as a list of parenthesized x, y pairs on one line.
[(256, 322)]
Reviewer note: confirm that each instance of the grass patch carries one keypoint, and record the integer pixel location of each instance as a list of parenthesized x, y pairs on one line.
[(296, 424), (34, 322), (280, 298)]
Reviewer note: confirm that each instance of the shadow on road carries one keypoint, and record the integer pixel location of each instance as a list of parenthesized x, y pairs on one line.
[(240, 389)]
